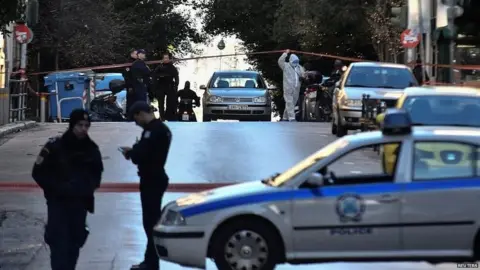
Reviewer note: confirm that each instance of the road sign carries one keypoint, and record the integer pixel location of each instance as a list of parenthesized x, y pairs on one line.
[(410, 38), (23, 34)]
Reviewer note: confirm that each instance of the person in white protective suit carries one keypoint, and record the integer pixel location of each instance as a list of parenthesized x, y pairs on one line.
[(292, 73)]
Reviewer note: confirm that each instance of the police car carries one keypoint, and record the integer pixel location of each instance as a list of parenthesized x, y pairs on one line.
[(318, 211)]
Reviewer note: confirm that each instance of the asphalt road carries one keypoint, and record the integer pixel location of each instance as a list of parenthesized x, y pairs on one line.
[(201, 152)]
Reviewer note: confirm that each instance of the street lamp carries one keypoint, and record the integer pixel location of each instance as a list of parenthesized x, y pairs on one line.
[(221, 47)]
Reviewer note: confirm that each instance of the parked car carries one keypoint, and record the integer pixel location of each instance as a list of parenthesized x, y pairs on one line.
[(236, 95), (381, 82)]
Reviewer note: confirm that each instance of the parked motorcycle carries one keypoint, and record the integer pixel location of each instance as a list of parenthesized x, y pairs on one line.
[(104, 108), (185, 111)]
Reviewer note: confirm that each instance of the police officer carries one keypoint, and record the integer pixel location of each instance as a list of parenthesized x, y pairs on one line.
[(127, 76), (68, 169), (150, 155), (166, 85), (141, 76)]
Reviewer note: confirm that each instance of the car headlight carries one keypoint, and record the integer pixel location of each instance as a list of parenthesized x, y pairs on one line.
[(215, 99), (260, 99), (172, 218), (352, 102)]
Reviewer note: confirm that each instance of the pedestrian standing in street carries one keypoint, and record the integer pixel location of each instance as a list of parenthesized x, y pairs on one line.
[(150, 155), (69, 170), (166, 85), (141, 77), (127, 77), (292, 73)]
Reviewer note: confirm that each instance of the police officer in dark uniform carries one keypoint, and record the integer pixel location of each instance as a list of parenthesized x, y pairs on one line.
[(166, 85), (141, 77), (68, 169), (127, 76), (150, 155)]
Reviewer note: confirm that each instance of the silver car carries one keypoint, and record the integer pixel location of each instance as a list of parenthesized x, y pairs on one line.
[(236, 95), (320, 211), (381, 81)]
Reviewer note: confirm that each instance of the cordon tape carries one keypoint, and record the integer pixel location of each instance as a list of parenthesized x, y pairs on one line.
[(329, 56)]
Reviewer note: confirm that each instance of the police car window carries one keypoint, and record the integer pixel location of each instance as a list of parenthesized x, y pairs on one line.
[(444, 110), (367, 162), (444, 160), (303, 165), (380, 77)]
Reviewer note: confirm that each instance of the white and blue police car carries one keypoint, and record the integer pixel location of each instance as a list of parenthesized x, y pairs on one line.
[(313, 212)]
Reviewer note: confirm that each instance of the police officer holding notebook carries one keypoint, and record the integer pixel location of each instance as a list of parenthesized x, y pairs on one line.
[(150, 155)]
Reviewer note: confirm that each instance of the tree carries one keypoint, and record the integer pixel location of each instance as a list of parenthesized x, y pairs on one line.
[(335, 27), (384, 35), (10, 11), (157, 25), (74, 36)]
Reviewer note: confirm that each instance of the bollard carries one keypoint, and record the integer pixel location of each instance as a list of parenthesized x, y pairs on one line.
[(43, 101)]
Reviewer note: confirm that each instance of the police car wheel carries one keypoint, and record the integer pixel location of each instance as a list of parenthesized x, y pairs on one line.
[(244, 246)]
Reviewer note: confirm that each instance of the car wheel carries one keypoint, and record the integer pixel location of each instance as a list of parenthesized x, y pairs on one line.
[(341, 130), (243, 245)]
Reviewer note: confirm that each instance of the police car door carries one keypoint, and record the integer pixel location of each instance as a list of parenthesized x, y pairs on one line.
[(353, 214), (441, 202)]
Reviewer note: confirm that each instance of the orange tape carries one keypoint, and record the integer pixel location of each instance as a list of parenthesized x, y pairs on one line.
[(117, 187), (349, 59)]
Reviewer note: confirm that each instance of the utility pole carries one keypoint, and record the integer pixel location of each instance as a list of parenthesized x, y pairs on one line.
[(445, 34), (422, 46)]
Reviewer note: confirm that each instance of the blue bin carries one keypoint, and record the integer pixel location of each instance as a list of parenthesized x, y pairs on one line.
[(66, 92)]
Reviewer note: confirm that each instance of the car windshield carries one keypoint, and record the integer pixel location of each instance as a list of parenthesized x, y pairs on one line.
[(444, 110), (303, 165), (237, 80), (380, 77)]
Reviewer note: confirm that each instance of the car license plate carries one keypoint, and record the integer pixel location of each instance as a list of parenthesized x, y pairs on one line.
[(238, 107), (185, 117)]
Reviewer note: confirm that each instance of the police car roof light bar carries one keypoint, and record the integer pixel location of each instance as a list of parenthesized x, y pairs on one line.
[(396, 122)]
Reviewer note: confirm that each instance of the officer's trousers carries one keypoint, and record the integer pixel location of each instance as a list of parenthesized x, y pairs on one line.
[(65, 233), (151, 199), (170, 112)]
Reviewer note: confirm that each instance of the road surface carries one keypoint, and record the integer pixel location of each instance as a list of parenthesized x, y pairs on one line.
[(201, 152)]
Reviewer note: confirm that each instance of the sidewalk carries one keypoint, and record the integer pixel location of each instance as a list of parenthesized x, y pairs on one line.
[(16, 127)]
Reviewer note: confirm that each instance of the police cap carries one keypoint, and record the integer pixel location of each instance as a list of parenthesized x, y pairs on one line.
[(141, 51), (139, 106)]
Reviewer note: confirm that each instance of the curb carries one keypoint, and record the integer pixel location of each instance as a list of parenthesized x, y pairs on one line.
[(16, 127)]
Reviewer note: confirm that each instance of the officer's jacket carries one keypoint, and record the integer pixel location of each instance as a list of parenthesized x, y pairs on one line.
[(150, 154), (166, 75), (69, 173), (140, 71)]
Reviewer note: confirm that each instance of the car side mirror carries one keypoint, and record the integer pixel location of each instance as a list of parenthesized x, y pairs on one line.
[(203, 87), (344, 68), (315, 179)]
